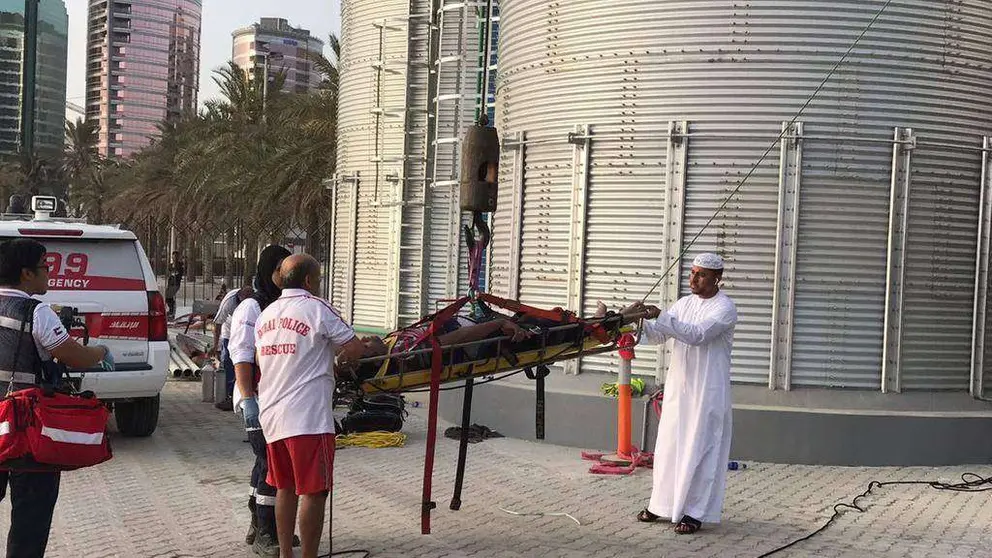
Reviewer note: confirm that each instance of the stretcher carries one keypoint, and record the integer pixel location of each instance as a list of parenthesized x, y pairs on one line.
[(557, 336), (491, 357)]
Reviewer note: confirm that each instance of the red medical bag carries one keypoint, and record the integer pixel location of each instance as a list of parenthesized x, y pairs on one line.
[(45, 430)]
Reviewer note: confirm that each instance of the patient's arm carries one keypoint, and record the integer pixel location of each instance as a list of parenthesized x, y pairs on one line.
[(478, 332), (631, 314)]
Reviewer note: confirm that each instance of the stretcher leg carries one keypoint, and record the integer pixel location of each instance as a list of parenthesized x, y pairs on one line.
[(456, 499), (538, 374), (539, 406)]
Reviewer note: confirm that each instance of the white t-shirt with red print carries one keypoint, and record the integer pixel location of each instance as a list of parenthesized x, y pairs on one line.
[(296, 339)]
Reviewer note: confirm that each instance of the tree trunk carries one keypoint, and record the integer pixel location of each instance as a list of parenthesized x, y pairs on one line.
[(314, 231), (207, 255), (250, 247), (189, 256), (229, 258)]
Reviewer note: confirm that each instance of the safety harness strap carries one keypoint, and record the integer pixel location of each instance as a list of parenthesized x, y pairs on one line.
[(436, 365)]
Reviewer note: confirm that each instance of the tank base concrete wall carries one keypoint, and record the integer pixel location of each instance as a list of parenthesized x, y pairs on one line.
[(814, 427)]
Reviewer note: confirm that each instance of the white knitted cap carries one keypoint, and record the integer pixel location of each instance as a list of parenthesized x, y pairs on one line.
[(708, 261)]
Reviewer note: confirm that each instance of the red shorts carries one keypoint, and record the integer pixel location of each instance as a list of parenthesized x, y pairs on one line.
[(303, 463)]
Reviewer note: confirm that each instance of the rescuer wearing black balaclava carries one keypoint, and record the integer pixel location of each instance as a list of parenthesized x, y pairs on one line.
[(262, 532)]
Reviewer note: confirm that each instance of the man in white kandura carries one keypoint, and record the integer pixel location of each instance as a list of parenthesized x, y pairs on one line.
[(693, 446)]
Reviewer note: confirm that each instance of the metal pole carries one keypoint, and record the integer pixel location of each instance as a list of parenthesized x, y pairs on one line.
[(456, 499), (977, 384), (540, 404), (265, 82), (487, 37), (624, 397), (623, 414)]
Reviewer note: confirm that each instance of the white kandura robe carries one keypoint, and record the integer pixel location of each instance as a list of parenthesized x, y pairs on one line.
[(693, 445)]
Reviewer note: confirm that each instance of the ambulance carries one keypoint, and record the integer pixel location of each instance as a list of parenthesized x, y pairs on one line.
[(102, 272)]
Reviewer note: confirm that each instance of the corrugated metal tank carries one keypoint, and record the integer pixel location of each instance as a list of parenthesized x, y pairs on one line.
[(854, 250), (372, 90), (409, 87)]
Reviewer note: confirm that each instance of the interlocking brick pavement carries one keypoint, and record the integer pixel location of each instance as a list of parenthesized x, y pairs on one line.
[(182, 493)]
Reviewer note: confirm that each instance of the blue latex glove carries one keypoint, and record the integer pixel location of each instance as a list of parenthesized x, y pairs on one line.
[(107, 363), (249, 408)]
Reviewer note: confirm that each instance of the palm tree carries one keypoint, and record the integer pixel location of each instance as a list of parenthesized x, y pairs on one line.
[(242, 159), (30, 175), (306, 151), (81, 163)]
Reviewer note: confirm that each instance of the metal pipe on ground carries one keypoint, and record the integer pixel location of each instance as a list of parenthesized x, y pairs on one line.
[(175, 368), (184, 365), (186, 361)]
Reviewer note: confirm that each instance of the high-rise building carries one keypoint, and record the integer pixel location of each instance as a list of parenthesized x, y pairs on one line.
[(142, 68), (74, 112), (287, 49), (51, 49)]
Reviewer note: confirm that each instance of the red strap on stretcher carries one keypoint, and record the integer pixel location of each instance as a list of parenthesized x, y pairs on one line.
[(431, 333), (438, 320)]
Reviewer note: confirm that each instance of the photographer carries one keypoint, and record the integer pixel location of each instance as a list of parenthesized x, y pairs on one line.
[(30, 336)]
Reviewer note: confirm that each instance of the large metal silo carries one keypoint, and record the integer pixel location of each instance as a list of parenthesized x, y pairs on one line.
[(372, 90), (857, 250), (409, 85)]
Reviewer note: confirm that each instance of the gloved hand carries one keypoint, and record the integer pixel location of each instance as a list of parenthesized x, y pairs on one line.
[(249, 408), (107, 363)]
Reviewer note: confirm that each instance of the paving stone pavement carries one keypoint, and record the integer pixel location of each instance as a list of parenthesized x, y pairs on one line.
[(182, 493)]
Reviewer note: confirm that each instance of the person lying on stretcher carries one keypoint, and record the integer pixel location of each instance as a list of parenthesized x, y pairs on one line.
[(461, 330)]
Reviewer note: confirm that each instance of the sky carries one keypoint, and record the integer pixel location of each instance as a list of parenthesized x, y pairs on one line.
[(220, 18)]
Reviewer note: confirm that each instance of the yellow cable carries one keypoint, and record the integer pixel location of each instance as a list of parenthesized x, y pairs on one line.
[(372, 440)]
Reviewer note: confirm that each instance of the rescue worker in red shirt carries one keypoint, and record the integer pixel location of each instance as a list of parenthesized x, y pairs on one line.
[(297, 339)]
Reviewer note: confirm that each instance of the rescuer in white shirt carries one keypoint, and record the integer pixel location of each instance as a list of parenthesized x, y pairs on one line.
[(296, 340), (262, 501)]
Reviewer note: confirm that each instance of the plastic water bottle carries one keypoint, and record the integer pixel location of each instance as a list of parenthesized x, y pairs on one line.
[(735, 465)]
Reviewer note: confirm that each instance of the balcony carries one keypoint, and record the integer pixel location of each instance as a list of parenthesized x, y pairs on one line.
[(122, 8)]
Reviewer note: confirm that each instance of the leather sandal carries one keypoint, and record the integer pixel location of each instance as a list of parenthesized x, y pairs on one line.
[(645, 516), (687, 525)]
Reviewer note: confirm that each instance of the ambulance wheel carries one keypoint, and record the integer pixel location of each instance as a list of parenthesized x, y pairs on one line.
[(137, 418)]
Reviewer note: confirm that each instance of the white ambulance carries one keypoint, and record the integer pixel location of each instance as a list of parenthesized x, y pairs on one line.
[(103, 272)]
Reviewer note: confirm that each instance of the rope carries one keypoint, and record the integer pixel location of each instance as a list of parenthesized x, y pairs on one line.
[(785, 130), (970, 482), (543, 514), (374, 440)]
